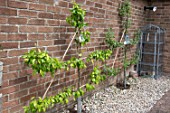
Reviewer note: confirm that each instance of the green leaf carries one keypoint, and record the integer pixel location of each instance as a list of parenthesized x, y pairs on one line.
[(78, 94), (41, 62), (76, 18), (41, 73), (66, 101), (89, 87)]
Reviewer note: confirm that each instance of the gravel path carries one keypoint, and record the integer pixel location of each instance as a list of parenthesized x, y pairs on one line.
[(140, 98)]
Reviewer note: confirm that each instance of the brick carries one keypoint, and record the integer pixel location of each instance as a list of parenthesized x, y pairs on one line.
[(5, 111), (3, 54), (17, 37), (22, 110), (45, 29), (34, 37), (63, 23), (5, 84), (52, 36), (98, 5), (94, 9), (70, 29), (28, 84), (26, 98), (63, 4), (102, 11), (5, 69), (3, 37), (64, 47), (8, 12), (26, 13), (70, 5), (64, 36), (36, 88), (10, 103), (9, 45), (5, 98), (53, 22), (109, 3), (45, 43), (60, 29), (54, 83), (97, 15), (8, 29), (51, 2), (16, 4), (3, 20), (43, 80), (57, 42), (89, 3), (89, 14), (37, 7), (25, 72), (9, 89), (17, 20), (58, 88), (15, 67), (57, 54), (80, 1), (53, 9), (3, 2), (65, 11), (34, 78), (9, 61), (59, 16), (45, 15), (28, 29), (17, 52), (34, 1), (16, 108), (17, 81), (27, 44), (36, 22), (53, 48)]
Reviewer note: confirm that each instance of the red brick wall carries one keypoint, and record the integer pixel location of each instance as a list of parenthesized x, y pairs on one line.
[(161, 18), (24, 23)]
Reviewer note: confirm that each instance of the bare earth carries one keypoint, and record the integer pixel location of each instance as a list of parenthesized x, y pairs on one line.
[(163, 105)]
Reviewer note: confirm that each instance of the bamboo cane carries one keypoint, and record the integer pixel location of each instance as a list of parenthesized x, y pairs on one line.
[(117, 50), (52, 80)]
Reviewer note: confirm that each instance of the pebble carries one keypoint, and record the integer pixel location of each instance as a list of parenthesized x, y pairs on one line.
[(140, 98)]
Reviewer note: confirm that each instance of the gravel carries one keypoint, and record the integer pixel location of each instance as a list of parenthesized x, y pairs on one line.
[(140, 98)]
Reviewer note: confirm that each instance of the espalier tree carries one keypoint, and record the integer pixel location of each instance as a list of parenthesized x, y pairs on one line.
[(134, 41), (76, 19), (95, 57), (98, 75), (125, 14), (112, 44), (41, 63), (110, 40)]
